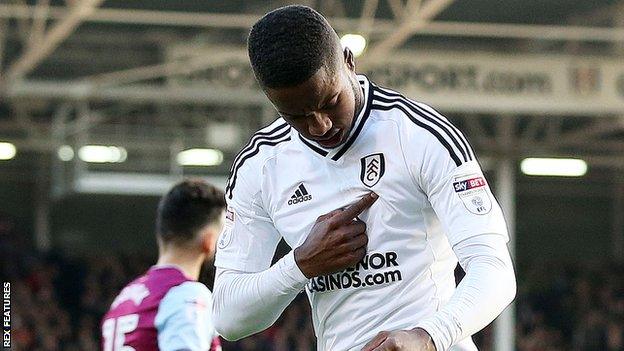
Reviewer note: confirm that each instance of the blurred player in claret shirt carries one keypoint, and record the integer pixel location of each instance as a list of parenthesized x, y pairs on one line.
[(167, 308)]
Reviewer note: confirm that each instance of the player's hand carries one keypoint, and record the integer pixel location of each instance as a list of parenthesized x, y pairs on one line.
[(337, 240), (413, 340)]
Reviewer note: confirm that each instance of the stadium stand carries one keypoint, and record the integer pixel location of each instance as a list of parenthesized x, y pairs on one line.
[(59, 300)]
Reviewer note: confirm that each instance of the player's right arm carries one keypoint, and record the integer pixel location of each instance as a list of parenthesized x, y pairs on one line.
[(249, 295)]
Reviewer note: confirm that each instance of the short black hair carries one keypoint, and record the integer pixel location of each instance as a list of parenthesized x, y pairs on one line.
[(288, 46), (188, 207)]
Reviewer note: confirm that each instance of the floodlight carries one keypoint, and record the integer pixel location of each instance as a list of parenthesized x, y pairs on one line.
[(200, 157), (65, 153), (102, 154), (556, 167), (355, 42), (7, 151)]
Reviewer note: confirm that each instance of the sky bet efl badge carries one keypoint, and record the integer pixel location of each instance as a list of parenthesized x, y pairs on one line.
[(373, 168), (473, 191)]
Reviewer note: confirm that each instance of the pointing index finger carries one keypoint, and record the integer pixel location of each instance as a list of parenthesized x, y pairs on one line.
[(356, 209)]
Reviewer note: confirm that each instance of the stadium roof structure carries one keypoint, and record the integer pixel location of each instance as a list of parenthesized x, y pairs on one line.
[(161, 76), (156, 77)]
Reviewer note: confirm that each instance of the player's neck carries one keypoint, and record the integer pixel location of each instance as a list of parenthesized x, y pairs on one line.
[(359, 102), (189, 264)]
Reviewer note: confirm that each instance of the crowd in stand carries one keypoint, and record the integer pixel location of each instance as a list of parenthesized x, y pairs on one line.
[(565, 307), (57, 303)]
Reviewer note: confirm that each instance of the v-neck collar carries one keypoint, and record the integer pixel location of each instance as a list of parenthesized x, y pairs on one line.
[(356, 127)]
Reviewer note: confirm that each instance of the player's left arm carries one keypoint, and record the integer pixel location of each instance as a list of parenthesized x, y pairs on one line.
[(476, 230), (183, 320), (488, 287)]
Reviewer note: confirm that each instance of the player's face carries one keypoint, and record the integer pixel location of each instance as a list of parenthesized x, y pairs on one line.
[(323, 107)]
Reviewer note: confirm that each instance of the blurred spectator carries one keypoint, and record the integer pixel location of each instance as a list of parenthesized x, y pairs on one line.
[(571, 307)]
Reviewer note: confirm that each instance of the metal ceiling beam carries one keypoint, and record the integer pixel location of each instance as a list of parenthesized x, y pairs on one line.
[(38, 27), (134, 94), (396, 6), (237, 96), (524, 31), (3, 35), (131, 16), (334, 8), (382, 26), (367, 19), (400, 10), (23, 23), (415, 19), (186, 66), (61, 30)]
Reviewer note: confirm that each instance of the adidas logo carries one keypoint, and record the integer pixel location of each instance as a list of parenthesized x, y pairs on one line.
[(300, 195)]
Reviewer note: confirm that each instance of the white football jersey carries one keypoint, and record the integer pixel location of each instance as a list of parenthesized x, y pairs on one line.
[(432, 195)]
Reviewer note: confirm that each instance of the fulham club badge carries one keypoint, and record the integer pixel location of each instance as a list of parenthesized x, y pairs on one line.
[(373, 168)]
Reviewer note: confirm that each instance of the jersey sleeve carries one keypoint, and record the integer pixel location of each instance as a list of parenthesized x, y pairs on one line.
[(249, 239), (444, 166), (184, 319)]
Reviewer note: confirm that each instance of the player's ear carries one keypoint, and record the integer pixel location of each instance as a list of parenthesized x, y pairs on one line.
[(209, 240), (349, 59)]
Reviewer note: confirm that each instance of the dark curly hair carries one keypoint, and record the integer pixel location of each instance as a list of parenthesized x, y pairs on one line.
[(188, 207), (288, 46)]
